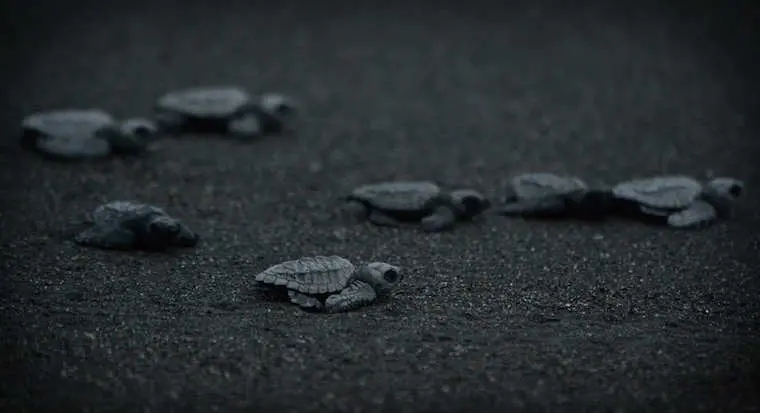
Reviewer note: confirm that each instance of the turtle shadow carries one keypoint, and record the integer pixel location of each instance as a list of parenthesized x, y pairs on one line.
[(263, 293), (558, 218), (219, 129)]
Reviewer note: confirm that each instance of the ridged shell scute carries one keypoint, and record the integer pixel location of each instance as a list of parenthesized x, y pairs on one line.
[(116, 212), (310, 275), (667, 192), (541, 184), (218, 101), (401, 195), (68, 122)]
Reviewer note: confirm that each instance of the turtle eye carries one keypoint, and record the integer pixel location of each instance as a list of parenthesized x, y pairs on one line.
[(390, 276), (277, 104), (141, 131), (142, 128)]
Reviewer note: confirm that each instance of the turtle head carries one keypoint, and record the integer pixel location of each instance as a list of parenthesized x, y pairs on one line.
[(144, 129), (469, 202), (726, 187), (131, 136), (381, 276), (722, 193), (276, 113), (164, 228), (278, 105)]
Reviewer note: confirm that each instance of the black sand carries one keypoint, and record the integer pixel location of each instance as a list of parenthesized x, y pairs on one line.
[(503, 314)]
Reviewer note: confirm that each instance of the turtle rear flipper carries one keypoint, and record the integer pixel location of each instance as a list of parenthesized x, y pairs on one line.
[(538, 207), (356, 294), (698, 215), (441, 219), (107, 238), (304, 301)]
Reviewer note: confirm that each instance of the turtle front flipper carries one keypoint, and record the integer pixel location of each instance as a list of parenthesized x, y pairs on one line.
[(356, 294), (441, 219), (700, 214), (304, 301), (107, 238), (246, 126), (384, 220), (539, 207)]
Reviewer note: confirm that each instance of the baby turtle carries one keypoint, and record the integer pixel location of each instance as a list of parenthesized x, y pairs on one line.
[(331, 283), (132, 225), (69, 134), (678, 200), (223, 110), (547, 195), (424, 202)]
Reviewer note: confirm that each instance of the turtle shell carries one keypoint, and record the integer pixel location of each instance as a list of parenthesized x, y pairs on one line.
[(68, 122), (116, 213), (310, 275), (664, 192), (68, 133), (541, 184), (205, 102), (398, 196)]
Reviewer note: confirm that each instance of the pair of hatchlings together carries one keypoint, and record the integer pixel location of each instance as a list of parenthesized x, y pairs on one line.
[(678, 201), (322, 283), (94, 133)]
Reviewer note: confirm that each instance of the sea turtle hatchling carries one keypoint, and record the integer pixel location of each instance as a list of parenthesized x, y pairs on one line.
[(679, 200), (223, 109), (132, 225), (331, 283), (69, 134), (547, 195), (397, 202)]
